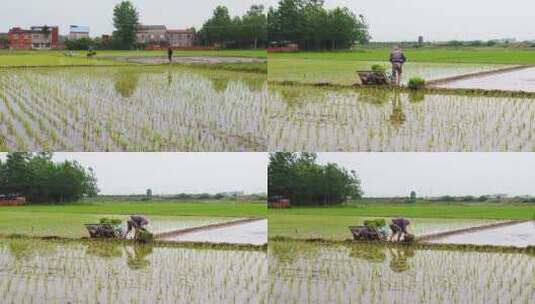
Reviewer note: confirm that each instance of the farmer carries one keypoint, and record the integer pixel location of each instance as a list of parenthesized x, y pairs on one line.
[(135, 222), (397, 58), (170, 54), (399, 228)]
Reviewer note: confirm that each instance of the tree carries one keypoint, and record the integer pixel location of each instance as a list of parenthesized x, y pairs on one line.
[(413, 195), (255, 25), (298, 177), (218, 29), (45, 30), (36, 177), (149, 194), (311, 26), (125, 20)]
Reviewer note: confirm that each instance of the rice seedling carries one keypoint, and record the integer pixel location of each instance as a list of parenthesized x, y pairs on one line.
[(302, 118), (365, 273), (111, 272), (132, 109)]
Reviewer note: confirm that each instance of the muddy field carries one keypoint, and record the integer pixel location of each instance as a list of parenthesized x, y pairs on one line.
[(195, 59)]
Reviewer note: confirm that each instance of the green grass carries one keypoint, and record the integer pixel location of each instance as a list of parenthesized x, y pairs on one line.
[(57, 58), (49, 58), (332, 222), (214, 53), (340, 67), (68, 220), (436, 55)]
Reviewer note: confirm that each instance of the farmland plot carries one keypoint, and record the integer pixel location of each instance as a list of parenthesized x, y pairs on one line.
[(344, 71), (131, 109), (318, 119), (359, 273), (521, 80), (33, 271)]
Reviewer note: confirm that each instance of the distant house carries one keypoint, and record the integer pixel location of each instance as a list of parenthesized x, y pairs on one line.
[(497, 196), (151, 34), (37, 37), (180, 38), (45, 37), (78, 32), (19, 39)]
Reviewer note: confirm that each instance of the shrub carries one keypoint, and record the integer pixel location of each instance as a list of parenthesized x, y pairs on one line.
[(416, 83), (378, 68)]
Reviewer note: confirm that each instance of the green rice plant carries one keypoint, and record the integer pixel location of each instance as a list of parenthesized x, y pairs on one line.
[(416, 83)]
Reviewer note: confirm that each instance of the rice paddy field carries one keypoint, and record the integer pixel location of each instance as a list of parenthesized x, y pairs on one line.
[(131, 109), (304, 118), (38, 271), (302, 272)]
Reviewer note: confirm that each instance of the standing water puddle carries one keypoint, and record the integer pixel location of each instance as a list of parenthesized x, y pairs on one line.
[(516, 235), (521, 80), (254, 233)]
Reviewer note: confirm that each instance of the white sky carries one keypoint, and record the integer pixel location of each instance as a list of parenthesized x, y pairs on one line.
[(172, 173), (97, 14), (435, 174), (397, 20), (390, 20)]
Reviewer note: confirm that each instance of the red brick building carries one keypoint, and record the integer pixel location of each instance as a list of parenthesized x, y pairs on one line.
[(37, 37), (20, 39)]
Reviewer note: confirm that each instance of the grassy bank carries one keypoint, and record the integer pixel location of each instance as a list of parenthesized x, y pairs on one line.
[(68, 220), (437, 55), (78, 58), (333, 222)]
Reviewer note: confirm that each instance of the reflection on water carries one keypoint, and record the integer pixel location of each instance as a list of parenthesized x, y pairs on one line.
[(37, 271), (168, 109), (126, 83), (305, 118), (302, 272)]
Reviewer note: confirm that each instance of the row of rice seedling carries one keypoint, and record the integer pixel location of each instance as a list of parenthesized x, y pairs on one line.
[(35, 271), (127, 109), (314, 119), (315, 273)]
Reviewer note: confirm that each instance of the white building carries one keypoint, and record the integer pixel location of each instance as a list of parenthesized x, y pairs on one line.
[(78, 32)]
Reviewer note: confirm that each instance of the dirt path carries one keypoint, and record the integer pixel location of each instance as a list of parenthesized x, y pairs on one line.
[(191, 59), (176, 233), (439, 235)]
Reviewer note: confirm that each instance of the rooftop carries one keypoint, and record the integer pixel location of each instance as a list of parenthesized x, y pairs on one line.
[(141, 27), (79, 29)]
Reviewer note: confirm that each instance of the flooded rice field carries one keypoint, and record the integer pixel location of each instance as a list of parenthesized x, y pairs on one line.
[(254, 233), (303, 118), (326, 71), (131, 109), (361, 273), (40, 224), (521, 80), (33, 271), (517, 235)]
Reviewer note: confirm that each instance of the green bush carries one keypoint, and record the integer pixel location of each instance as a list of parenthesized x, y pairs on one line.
[(378, 68), (416, 83)]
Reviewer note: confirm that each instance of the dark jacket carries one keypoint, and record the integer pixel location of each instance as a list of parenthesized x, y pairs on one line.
[(397, 57), (139, 220), (401, 223)]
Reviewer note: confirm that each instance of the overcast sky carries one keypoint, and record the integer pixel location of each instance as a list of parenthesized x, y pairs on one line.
[(435, 174), (397, 20), (390, 20), (171, 173)]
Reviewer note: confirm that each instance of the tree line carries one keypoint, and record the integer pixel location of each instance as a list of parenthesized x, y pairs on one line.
[(247, 31), (299, 178), (39, 179), (313, 27)]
